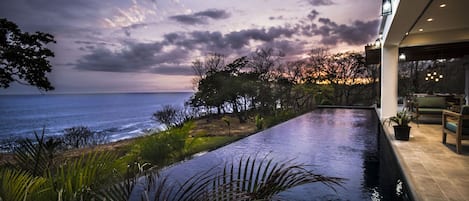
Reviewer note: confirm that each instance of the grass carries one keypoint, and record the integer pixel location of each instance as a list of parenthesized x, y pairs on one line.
[(201, 144)]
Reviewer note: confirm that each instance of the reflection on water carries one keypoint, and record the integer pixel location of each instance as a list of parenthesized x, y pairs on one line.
[(336, 142)]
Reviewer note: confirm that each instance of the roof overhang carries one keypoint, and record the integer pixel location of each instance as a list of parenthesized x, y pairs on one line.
[(425, 30), (425, 52)]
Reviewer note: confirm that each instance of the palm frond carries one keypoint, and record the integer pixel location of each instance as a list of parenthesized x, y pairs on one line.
[(19, 185), (32, 156), (247, 179), (83, 178)]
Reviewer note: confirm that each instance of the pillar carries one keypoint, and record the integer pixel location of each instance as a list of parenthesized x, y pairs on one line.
[(389, 70), (466, 88)]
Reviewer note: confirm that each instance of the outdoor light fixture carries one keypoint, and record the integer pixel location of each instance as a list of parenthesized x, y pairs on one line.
[(420, 30), (378, 43), (442, 5), (386, 8), (434, 73), (402, 57), (429, 19)]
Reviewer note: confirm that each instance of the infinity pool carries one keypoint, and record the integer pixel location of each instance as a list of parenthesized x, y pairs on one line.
[(336, 142)]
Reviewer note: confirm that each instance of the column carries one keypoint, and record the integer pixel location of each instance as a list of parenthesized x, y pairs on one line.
[(389, 70), (466, 88)]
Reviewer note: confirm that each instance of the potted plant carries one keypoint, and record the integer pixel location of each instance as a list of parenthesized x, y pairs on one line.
[(400, 123)]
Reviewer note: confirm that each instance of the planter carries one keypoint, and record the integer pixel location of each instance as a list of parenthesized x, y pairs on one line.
[(401, 132)]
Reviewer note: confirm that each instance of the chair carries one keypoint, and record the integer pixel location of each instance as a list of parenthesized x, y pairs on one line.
[(456, 124)]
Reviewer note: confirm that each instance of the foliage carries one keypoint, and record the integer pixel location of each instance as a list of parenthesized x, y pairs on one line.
[(279, 117), (82, 136), (402, 118), (19, 185), (35, 157), (200, 144), (81, 179), (259, 121), (24, 57), (162, 148), (171, 116), (228, 124), (246, 179)]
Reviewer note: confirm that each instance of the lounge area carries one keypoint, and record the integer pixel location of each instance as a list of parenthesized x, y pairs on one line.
[(432, 106)]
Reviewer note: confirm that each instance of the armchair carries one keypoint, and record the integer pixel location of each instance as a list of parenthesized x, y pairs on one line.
[(456, 124)]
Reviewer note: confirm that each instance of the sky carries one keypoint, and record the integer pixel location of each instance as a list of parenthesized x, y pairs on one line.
[(149, 45)]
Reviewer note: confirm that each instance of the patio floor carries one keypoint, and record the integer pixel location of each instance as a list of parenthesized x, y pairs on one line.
[(434, 171)]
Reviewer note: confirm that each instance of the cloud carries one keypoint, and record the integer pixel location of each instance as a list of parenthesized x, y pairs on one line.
[(214, 14), (135, 57), (201, 17), (320, 2), (357, 33), (280, 17), (239, 39), (127, 29), (172, 55), (312, 15)]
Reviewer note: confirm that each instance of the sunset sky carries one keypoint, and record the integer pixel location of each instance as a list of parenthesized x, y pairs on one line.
[(148, 45)]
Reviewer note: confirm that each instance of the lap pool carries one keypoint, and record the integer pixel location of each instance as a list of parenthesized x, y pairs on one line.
[(336, 142)]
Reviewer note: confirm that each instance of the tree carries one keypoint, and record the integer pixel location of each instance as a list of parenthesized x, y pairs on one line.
[(171, 116), (24, 57)]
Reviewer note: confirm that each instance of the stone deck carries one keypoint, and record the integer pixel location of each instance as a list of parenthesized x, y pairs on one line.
[(434, 171)]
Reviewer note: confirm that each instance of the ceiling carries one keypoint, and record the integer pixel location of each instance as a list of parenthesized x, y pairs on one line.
[(440, 24)]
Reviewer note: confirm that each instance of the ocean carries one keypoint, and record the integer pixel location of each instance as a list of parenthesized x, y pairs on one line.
[(122, 116)]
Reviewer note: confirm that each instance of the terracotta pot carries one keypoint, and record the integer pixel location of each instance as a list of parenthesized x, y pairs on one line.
[(401, 132)]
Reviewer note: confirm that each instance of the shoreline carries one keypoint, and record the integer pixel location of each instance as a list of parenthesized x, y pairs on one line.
[(203, 127)]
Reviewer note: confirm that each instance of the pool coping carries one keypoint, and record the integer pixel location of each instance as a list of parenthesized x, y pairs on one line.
[(404, 169)]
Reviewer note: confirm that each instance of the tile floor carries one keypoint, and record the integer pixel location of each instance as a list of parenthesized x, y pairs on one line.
[(434, 170)]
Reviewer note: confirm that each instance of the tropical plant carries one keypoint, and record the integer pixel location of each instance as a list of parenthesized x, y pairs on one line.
[(37, 156), (19, 185), (83, 178), (402, 118), (246, 179)]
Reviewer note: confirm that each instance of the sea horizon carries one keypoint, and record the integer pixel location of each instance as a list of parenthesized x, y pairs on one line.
[(91, 93), (120, 115)]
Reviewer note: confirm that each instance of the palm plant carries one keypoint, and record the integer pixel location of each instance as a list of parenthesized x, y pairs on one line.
[(83, 178), (19, 185), (36, 156), (248, 179)]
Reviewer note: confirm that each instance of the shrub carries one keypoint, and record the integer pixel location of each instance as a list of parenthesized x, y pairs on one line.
[(279, 117), (259, 122), (77, 137), (172, 116), (165, 146), (82, 136)]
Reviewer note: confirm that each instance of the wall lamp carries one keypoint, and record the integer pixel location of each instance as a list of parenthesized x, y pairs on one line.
[(386, 8), (402, 57)]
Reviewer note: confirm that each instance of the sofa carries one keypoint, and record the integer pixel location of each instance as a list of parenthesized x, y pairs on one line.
[(428, 105)]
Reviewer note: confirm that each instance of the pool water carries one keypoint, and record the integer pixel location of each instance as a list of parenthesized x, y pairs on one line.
[(336, 142)]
